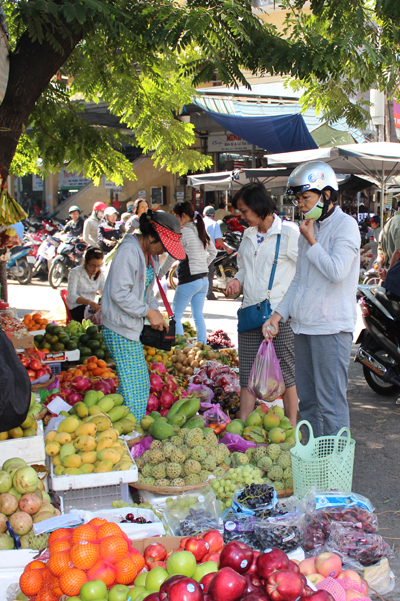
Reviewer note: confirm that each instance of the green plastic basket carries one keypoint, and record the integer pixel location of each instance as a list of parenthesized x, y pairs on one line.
[(325, 462)]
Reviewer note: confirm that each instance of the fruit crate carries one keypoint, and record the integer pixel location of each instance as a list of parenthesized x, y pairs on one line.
[(55, 368), (31, 448), (93, 498), (91, 481)]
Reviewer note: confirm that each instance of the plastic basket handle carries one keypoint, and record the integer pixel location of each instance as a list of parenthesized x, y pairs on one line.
[(337, 438), (298, 447)]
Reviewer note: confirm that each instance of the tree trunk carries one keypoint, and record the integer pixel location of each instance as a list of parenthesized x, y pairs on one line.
[(32, 66), (3, 280)]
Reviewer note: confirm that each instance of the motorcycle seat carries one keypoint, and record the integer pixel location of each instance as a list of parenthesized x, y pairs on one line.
[(392, 306), (17, 249)]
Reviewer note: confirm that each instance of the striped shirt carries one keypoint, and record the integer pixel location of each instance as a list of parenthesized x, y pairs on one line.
[(80, 284)]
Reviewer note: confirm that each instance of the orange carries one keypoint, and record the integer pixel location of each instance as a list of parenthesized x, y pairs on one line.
[(60, 545), (104, 571), (36, 565), (91, 365), (114, 548), (101, 363), (137, 559), (97, 522), (36, 316), (30, 582), (56, 587), (61, 533), (84, 533), (98, 371), (109, 529), (93, 359), (84, 555), (71, 581), (46, 595), (126, 571), (59, 562)]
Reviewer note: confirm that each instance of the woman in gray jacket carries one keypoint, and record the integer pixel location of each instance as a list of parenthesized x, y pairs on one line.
[(128, 300), (321, 300)]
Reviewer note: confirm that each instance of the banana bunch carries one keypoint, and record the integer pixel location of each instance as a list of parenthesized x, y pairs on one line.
[(10, 211), (74, 328)]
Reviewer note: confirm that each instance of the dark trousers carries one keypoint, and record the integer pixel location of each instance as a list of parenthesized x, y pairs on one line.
[(78, 313), (210, 279)]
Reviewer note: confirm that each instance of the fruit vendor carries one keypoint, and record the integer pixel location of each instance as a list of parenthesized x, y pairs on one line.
[(255, 261), (321, 299), (129, 298), (84, 283)]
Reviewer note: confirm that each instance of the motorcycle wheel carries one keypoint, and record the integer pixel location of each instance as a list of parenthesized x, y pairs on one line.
[(56, 274), (230, 274), (375, 382), (173, 277), (26, 272)]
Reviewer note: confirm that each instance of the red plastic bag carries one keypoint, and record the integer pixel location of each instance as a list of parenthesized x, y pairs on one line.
[(266, 380), (216, 418)]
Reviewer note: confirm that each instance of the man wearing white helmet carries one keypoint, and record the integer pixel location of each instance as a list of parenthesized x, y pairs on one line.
[(92, 223), (321, 300)]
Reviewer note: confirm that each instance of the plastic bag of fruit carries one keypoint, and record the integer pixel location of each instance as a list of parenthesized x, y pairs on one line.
[(215, 417), (241, 527), (201, 391), (254, 498), (193, 513), (266, 380), (282, 531), (357, 548)]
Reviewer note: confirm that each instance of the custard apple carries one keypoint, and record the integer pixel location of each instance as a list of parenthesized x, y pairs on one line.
[(174, 470), (191, 467)]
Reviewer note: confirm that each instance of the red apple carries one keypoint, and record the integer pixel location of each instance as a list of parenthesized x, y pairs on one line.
[(31, 373), (237, 556), (205, 581), (315, 578), (35, 364), (185, 589), (166, 585), (256, 596), (183, 542), (349, 575), (153, 597), (317, 596), (211, 557), (271, 561), (155, 552), (284, 585), (198, 547), (328, 564), (158, 564), (214, 540), (206, 597), (307, 566), (294, 567), (253, 568), (351, 594), (227, 585), (253, 583)]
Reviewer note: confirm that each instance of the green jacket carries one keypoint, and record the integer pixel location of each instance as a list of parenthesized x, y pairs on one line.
[(389, 240)]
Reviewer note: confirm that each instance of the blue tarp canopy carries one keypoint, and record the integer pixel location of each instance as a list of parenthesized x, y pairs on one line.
[(283, 133)]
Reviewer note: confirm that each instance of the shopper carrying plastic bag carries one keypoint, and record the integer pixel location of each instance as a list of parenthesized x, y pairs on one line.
[(266, 379)]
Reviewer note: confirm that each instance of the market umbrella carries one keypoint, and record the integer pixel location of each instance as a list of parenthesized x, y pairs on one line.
[(380, 160), (234, 180)]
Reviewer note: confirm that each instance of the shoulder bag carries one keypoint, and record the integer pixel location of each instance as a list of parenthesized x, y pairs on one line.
[(253, 317), (15, 386), (163, 340)]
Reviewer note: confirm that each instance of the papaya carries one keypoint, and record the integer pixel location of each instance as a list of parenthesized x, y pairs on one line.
[(160, 430), (116, 414), (196, 422), (177, 420), (190, 408), (175, 408)]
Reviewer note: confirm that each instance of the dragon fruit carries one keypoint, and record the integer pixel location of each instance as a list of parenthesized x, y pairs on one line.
[(156, 383), (166, 399), (153, 403), (159, 368)]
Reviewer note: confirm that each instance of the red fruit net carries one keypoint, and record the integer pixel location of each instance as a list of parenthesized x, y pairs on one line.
[(338, 588)]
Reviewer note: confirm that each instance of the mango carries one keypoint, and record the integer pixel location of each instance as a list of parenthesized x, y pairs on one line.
[(89, 457), (119, 450), (102, 422), (100, 394), (73, 435), (105, 404), (52, 449), (122, 466), (50, 436), (175, 408), (119, 426), (58, 470), (62, 438), (72, 471), (91, 398), (110, 432), (146, 422), (103, 466), (131, 416), (177, 420), (195, 422), (94, 410), (85, 443), (81, 410), (69, 424), (109, 455), (87, 468), (104, 443), (117, 398), (56, 460), (118, 413), (72, 461), (88, 429), (128, 426), (190, 408), (160, 430), (67, 449), (27, 423)]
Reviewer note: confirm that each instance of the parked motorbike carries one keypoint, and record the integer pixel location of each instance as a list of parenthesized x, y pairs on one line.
[(45, 254), (20, 264), (379, 350), (69, 255)]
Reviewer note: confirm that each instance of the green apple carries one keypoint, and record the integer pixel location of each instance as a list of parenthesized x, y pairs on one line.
[(93, 590), (119, 592), (155, 578), (145, 594), (141, 579), (203, 569), (135, 591), (183, 562), (72, 598)]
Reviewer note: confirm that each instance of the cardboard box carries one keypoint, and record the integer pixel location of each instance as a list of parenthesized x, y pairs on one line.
[(31, 448), (169, 542), (22, 343)]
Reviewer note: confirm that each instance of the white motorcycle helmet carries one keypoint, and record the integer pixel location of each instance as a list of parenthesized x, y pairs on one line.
[(315, 175)]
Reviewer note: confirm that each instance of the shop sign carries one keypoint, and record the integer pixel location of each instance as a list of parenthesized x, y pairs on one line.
[(37, 183), (142, 194), (227, 143), (68, 180), (112, 186)]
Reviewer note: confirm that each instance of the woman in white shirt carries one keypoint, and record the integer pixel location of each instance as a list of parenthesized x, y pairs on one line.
[(85, 282), (255, 260)]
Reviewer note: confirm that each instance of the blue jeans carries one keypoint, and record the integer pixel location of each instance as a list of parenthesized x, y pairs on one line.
[(195, 294)]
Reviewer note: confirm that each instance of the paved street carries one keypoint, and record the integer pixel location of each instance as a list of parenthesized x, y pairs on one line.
[(375, 420)]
